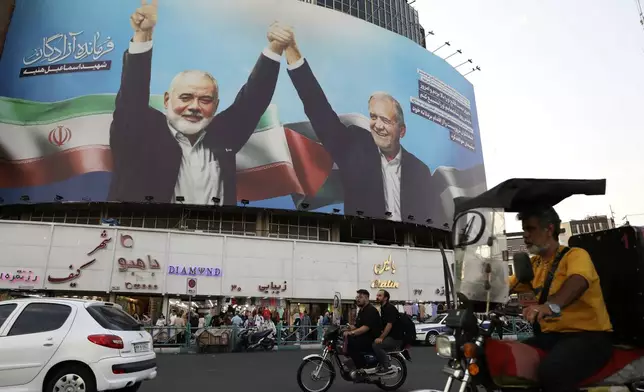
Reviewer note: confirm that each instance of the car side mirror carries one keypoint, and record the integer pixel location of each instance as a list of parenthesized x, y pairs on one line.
[(523, 267)]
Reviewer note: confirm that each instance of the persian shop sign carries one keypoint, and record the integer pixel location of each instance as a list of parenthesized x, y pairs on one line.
[(384, 284), (379, 269), (21, 276), (193, 271)]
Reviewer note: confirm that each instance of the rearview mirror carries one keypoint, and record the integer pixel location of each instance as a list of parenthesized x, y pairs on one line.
[(523, 267)]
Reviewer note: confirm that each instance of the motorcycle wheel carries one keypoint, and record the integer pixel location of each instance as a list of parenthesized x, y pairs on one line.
[(317, 362), (269, 346), (397, 361)]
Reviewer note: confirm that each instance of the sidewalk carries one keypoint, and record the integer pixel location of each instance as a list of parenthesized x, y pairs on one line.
[(187, 350)]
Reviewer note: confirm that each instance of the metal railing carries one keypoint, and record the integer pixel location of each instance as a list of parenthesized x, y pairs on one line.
[(291, 335), (226, 338)]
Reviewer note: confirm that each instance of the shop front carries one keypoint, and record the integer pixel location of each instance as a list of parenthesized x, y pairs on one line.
[(258, 275), (23, 256), (194, 276), (138, 274), (150, 273), (79, 262)]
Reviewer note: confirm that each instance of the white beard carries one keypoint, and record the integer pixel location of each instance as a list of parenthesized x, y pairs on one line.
[(184, 126), (536, 249)]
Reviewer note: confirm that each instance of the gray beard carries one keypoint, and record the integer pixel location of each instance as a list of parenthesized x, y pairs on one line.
[(537, 250)]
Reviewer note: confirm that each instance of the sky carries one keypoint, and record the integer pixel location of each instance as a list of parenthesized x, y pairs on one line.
[(560, 93)]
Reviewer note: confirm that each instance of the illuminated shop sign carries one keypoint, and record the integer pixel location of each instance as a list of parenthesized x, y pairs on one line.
[(193, 271), (384, 284), (379, 269)]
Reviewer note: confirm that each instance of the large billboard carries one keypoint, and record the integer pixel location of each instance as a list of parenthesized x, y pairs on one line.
[(276, 103)]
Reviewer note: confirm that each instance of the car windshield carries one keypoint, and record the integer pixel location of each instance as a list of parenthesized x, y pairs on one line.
[(434, 319)]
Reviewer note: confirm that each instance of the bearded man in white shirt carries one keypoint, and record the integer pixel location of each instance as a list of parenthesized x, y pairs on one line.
[(190, 151)]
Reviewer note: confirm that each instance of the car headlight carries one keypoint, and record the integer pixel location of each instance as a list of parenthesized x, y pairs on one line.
[(446, 346)]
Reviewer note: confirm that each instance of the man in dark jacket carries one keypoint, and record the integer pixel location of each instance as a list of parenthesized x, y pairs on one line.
[(368, 327), (391, 336), (190, 151), (379, 177)]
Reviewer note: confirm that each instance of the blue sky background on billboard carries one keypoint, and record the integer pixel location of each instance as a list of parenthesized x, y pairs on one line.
[(225, 38), (560, 93)]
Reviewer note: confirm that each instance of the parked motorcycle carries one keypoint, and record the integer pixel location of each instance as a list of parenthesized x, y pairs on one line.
[(323, 367), (250, 339)]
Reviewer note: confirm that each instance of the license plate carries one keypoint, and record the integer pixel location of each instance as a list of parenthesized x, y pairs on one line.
[(141, 347)]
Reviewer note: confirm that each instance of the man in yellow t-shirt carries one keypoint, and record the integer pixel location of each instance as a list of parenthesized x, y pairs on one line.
[(572, 324)]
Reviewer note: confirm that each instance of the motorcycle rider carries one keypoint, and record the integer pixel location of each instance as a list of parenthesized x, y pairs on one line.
[(391, 336), (367, 329), (572, 326)]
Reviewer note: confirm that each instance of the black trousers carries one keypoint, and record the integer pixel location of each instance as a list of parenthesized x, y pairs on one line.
[(571, 358), (380, 350), (356, 348)]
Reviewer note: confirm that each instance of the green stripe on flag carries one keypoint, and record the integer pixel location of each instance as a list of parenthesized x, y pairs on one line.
[(22, 112), (270, 119), (156, 102)]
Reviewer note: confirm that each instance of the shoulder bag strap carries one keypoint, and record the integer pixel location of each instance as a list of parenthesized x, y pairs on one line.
[(551, 274)]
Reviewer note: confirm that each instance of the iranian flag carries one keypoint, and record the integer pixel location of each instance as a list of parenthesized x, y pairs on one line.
[(43, 143)]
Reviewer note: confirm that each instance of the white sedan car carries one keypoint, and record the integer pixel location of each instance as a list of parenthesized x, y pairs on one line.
[(67, 345), (429, 330)]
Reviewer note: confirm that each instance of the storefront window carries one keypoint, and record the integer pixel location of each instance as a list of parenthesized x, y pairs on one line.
[(314, 310), (145, 309)]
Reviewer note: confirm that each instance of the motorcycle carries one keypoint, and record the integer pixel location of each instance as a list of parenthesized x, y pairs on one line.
[(476, 359), (479, 361), (333, 343), (250, 339)]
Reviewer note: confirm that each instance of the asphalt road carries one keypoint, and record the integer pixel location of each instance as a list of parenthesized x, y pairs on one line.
[(271, 371)]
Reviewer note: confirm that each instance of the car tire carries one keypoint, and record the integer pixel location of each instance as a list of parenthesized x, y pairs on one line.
[(131, 388), (71, 375), (430, 339)]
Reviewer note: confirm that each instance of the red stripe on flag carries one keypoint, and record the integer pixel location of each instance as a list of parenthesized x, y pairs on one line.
[(312, 163), (55, 167), (308, 173), (268, 181)]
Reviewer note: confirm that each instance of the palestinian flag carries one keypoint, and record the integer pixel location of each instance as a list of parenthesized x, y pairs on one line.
[(44, 143)]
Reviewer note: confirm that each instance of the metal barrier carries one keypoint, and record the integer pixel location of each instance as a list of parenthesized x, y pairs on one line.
[(213, 339), (167, 336), (295, 336), (288, 337)]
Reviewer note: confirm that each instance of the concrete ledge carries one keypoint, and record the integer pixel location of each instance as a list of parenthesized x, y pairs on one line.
[(186, 350), (169, 350), (315, 346), (289, 347)]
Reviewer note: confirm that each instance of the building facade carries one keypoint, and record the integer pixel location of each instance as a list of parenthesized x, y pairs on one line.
[(591, 224), (394, 15), (156, 272)]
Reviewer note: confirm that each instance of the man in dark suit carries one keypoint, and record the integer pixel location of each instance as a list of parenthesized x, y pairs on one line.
[(379, 177), (190, 151)]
